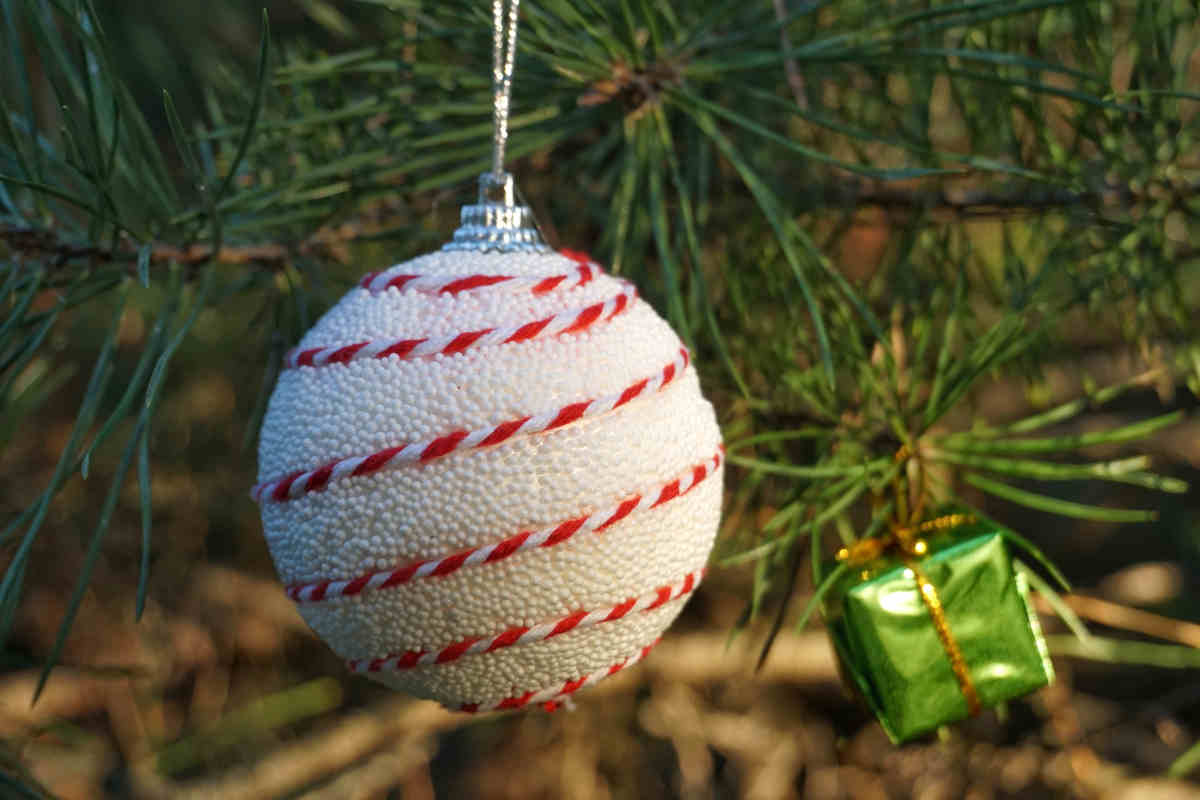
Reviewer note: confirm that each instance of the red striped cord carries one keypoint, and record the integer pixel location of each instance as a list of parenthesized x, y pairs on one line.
[(301, 482), (572, 321), (597, 521), (528, 634), (556, 693)]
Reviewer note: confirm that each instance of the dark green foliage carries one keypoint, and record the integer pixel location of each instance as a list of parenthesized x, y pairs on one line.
[(1035, 162)]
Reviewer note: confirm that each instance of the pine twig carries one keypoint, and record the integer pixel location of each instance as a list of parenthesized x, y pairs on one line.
[(1122, 617), (976, 201), (48, 244), (794, 78), (327, 242)]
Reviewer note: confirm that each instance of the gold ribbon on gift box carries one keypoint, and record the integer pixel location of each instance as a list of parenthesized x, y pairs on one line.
[(908, 540)]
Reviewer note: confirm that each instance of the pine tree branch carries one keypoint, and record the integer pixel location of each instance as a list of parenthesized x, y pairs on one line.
[(1115, 615), (47, 244), (794, 77), (979, 201), (328, 242)]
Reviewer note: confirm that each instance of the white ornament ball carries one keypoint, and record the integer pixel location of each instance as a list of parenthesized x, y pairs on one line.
[(490, 479)]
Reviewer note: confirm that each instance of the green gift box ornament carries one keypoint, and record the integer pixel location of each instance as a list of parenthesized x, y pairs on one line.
[(932, 630)]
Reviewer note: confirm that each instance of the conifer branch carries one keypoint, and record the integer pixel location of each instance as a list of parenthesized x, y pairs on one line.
[(328, 243), (985, 200), (33, 243), (708, 151)]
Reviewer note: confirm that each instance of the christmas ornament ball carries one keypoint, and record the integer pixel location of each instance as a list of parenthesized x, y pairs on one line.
[(490, 478)]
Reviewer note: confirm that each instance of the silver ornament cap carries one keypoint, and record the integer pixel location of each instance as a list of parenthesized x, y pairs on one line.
[(496, 223)]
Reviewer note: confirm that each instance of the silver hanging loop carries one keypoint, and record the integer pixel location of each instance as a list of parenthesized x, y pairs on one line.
[(504, 59), (496, 223)]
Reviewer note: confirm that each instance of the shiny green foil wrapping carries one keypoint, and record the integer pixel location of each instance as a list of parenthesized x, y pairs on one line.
[(889, 647)]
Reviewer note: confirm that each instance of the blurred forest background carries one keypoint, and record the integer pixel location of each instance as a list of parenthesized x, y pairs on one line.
[(875, 223)]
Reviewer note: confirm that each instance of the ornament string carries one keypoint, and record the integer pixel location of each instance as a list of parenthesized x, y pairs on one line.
[(504, 56), (496, 223)]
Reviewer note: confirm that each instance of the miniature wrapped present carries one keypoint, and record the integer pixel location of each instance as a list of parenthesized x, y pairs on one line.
[(931, 632)]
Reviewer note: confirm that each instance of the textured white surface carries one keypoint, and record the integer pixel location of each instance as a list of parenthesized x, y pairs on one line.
[(474, 497), (535, 667)]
